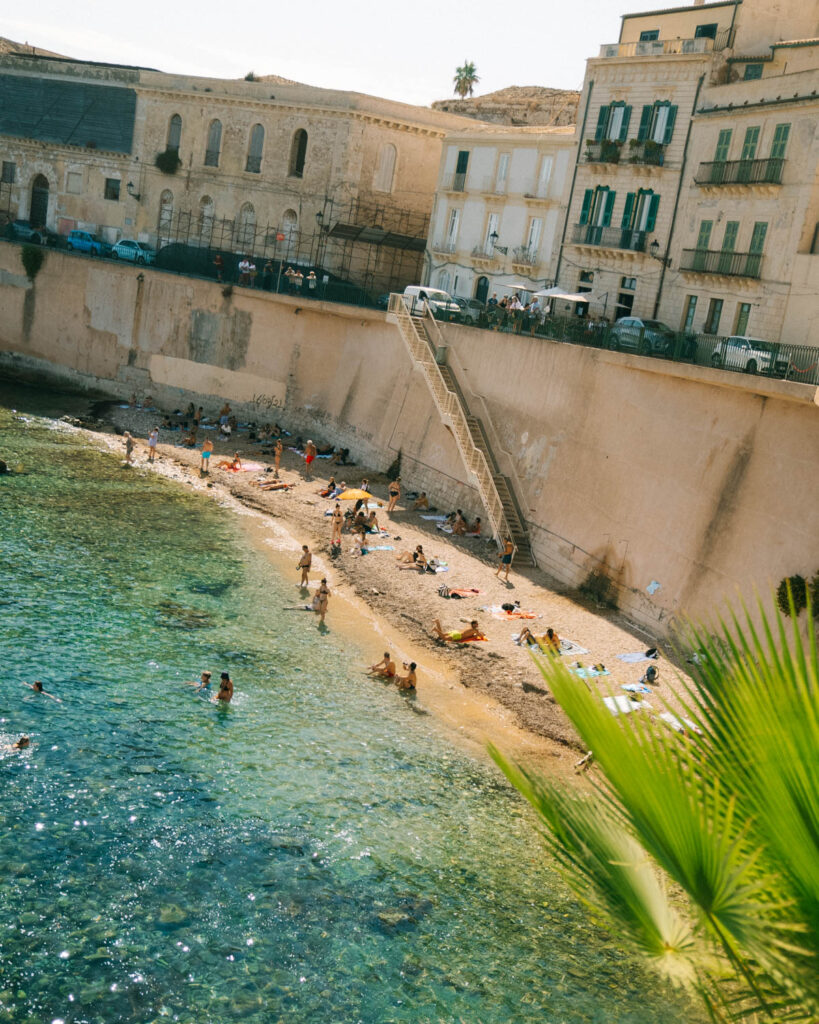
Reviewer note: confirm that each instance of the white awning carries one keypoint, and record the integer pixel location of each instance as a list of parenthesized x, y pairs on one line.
[(560, 293)]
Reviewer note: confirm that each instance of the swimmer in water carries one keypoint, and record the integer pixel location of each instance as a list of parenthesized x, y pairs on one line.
[(225, 693), (37, 686), (203, 686), (21, 744)]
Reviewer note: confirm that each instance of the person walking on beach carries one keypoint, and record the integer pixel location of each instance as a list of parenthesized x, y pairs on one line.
[(305, 562), (395, 493), (153, 437), (309, 459), (505, 558), (207, 451), (338, 522), (277, 455), (321, 599), (225, 693), (129, 448)]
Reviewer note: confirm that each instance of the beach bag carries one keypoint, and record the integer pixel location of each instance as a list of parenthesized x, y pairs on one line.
[(443, 590)]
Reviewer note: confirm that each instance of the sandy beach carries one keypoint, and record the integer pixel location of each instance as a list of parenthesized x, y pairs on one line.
[(485, 690)]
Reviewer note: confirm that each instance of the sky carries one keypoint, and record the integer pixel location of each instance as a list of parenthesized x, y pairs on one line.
[(403, 51)]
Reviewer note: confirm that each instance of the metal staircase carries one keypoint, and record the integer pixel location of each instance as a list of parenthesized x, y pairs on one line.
[(428, 347)]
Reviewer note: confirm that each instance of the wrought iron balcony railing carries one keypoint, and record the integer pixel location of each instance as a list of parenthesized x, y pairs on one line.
[(609, 238), (714, 261), (741, 172)]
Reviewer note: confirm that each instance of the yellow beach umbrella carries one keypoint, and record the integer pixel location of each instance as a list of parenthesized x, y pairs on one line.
[(354, 494)]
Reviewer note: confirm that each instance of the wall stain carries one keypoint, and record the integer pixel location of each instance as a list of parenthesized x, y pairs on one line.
[(220, 339), (29, 303)]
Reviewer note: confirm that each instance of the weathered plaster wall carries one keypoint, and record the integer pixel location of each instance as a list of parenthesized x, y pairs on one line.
[(653, 473)]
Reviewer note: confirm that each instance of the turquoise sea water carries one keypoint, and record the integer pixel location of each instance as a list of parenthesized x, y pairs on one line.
[(315, 852)]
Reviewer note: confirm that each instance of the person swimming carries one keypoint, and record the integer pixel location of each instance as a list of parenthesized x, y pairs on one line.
[(203, 686), (37, 686)]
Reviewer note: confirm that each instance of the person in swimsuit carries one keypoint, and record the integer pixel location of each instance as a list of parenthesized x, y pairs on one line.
[(153, 437), (505, 558), (385, 668), (21, 744), (309, 459), (454, 634), (305, 562), (549, 641), (225, 693), (475, 530), (413, 560), (321, 600), (421, 502), (277, 455), (129, 448), (207, 451), (407, 682), (203, 686), (234, 465), (37, 686), (337, 521), (395, 493)]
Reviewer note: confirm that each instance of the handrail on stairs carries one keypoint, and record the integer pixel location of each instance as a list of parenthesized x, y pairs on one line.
[(450, 406)]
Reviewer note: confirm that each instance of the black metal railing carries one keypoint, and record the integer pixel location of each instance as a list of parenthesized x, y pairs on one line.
[(525, 256), (606, 152), (646, 151), (609, 238), (714, 261), (457, 183), (741, 172)]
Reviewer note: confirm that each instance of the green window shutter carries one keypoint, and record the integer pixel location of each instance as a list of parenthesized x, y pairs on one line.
[(628, 210), (624, 125), (653, 207), (758, 237), (463, 162), (723, 145), (602, 122), (704, 236), (729, 239), (588, 195), (645, 123), (780, 141), (669, 127), (608, 209), (749, 145)]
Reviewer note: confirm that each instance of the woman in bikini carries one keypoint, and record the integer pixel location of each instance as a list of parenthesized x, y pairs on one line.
[(413, 560), (337, 520), (321, 599), (395, 493)]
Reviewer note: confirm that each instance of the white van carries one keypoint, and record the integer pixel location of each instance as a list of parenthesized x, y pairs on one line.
[(443, 306)]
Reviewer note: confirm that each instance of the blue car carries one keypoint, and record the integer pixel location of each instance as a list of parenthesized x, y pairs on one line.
[(84, 241)]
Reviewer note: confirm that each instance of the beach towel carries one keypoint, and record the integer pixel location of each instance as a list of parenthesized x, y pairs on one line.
[(679, 725), (434, 519), (444, 528), (503, 615), (589, 673), (636, 688), (622, 705), (246, 467), (570, 647), (639, 656), (382, 547)]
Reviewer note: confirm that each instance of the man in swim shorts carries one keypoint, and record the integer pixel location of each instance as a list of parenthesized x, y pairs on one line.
[(153, 437), (207, 451), (305, 562), (457, 635), (225, 693), (505, 558), (309, 459), (385, 668)]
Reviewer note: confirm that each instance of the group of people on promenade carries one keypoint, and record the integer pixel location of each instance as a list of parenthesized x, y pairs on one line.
[(296, 282)]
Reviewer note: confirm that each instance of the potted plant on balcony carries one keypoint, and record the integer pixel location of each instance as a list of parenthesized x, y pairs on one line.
[(653, 152), (610, 151)]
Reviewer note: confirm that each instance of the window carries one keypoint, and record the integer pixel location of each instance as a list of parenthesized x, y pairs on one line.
[(503, 170), (443, 280), (9, 172), (657, 122), (713, 318), (214, 144), (780, 141), (452, 228), (534, 235), (723, 145), (690, 310), (112, 188), (704, 235), (752, 71), (254, 152), (174, 132), (385, 172), (756, 247), (750, 143), (73, 182), (612, 122), (649, 35), (640, 211), (545, 176), (706, 31), (461, 164), (491, 237), (624, 304), (586, 276), (597, 207), (246, 228), (298, 154), (729, 243), (743, 315)]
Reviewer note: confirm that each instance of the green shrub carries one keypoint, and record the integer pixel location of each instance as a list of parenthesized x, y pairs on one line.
[(792, 590), (32, 257), (168, 162)]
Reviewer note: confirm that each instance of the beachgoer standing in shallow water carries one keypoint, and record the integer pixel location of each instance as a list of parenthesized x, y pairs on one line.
[(505, 558), (309, 459), (225, 693), (129, 448), (203, 686), (305, 562), (207, 451), (321, 599), (153, 437)]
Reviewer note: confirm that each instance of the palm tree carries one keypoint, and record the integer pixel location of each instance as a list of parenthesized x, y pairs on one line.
[(465, 78), (702, 848)]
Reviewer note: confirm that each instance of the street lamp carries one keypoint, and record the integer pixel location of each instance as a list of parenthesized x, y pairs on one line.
[(129, 188), (654, 253)]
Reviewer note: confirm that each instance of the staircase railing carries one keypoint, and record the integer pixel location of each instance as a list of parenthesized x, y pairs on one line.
[(450, 408)]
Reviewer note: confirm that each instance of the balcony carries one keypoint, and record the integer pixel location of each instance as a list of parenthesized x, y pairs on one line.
[(525, 258), (483, 256), (456, 183), (726, 264), (664, 47), (445, 248), (646, 152), (606, 152), (609, 238), (741, 172)]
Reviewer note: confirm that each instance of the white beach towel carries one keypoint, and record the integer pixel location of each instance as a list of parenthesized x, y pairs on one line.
[(621, 705)]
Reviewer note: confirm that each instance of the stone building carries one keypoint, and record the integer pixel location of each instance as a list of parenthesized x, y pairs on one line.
[(338, 180), (499, 209)]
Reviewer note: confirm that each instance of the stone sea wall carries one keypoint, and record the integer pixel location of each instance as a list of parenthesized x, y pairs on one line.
[(667, 486)]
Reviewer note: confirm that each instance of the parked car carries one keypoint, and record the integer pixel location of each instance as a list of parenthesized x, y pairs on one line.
[(443, 306), (84, 241), (471, 309), (23, 230), (135, 252), (749, 355), (648, 337)]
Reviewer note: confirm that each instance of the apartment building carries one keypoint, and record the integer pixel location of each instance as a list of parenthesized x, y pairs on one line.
[(499, 207)]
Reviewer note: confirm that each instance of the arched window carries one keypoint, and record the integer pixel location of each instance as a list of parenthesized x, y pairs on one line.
[(174, 133), (165, 221), (214, 144), (385, 172), (205, 223), (290, 230), (298, 152), (246, 227), (38, 210), (254, 150)]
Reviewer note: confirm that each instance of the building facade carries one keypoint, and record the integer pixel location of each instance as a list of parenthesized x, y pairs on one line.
[(331, 178), (499, 209)]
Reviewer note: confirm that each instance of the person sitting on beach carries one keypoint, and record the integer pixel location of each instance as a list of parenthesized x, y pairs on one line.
[(407, 682), (148, 403), (359, 544), (37, 686), (225, 693), (460, 524), (190, 439), (422, 501), (327, 491), (475, 529), (132, 401), (190, 412), (340, 456), (549, 641), (200, 412), (412, 559), (166, 423), (365, 485), (203, 686), (385, 668), (371, 523), (339, 489), (235, 464), (470, 633), (360, 523)]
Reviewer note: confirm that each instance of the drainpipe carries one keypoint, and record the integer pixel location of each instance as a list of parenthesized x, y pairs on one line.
[(574, 179), (676, 200)]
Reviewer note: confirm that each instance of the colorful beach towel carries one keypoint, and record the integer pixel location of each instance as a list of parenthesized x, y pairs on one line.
[(589, 673), (636, 688)]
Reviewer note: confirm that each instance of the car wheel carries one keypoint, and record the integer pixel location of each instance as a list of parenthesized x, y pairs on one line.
[(643, 347), (141, 260), (114, 254), (716, 360), (750, 366), (70, 247)]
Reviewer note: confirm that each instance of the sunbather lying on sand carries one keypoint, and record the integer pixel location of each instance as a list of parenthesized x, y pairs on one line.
[(458, 636), (412, 559), (235, 464), (275, 485), (549, 641)]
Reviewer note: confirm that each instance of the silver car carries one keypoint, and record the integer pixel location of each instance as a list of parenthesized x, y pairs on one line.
[(134, 252), (749, 355)]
